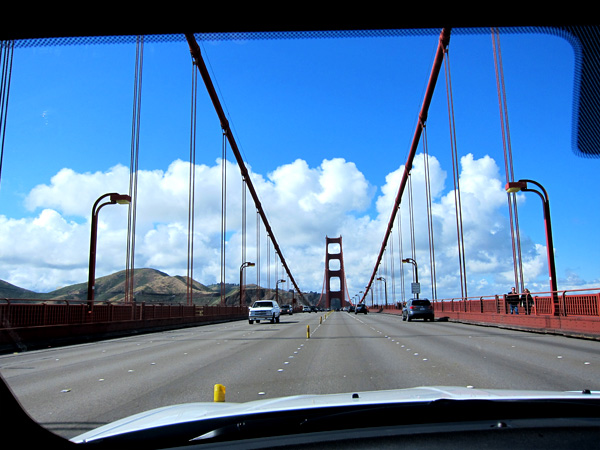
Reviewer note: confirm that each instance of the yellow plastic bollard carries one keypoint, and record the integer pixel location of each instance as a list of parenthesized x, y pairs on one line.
[(219, 393), (307, 331), (320, 320)]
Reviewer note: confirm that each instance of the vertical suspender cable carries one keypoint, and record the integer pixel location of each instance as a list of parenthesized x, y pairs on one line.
[(508, 162), (223, 215), (192, 191), (257, 251), (133, 170), (277, 278), (385, 276), (392, 268), (6, 58), (411, 223), (429, 215), (400, 257), (243, 233), (268, 263), (456, 174), (346, 293)]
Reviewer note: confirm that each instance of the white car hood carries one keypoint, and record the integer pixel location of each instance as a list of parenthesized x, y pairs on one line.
[(190, 412)]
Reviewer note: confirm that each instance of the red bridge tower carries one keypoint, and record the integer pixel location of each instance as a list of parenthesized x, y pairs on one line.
[(335, 279)]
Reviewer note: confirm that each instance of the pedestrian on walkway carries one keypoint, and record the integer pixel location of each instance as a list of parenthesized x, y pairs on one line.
[(512, 298), (527, 301)]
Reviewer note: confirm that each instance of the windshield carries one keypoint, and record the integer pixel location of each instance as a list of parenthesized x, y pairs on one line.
[(324, 125), (421, 302), (263, 305)]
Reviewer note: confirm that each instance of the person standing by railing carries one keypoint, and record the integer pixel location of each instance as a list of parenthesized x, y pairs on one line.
[(512, 298), (527, 301)]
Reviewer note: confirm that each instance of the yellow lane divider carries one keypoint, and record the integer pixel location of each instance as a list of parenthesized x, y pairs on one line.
[(219, 393)]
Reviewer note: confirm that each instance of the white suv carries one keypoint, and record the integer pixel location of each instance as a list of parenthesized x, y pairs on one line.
[(264, 310)]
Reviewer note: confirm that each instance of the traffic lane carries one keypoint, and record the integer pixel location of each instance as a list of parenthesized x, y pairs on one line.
[(74, 384), (489, 357), (33, 373), (388, 353), (248, 368), (512, 359), (71, 389), (342, 356)]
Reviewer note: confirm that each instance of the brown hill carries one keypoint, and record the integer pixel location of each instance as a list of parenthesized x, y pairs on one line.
[(152, 286), (149, 285), (8, 290)]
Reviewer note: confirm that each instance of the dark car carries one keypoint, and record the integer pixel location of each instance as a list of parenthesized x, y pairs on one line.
[(287, 309), (361, 308), (418, 308)]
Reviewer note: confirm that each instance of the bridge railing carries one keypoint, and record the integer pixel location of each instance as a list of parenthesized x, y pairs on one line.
[(580, 302), (567, 303), (571, 312), (18, 313)]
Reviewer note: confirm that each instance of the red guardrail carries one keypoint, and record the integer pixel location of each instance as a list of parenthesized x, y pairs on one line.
[(581, 302), (26, 324), (574, 312), (17, 313)]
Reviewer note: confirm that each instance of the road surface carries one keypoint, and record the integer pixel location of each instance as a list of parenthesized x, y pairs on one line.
[(73, 389)]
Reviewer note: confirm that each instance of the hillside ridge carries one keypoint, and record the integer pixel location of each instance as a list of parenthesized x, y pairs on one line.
[(153, 286)]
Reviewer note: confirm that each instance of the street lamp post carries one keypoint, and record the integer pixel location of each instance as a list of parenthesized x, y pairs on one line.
[(414, 263), (112, 199), (277, 290), (385, 283), (242, 267), (521, 185)]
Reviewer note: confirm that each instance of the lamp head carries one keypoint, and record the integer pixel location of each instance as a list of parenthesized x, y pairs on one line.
[(515, 186), (121, 199)]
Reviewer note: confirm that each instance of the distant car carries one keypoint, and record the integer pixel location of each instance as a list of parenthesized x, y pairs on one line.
[(351, 308), (418, 308), (361, 308), (287, 309), (306, 308), (264, 310)]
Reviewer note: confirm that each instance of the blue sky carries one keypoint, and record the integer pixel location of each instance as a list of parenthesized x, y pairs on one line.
[(325, 126)]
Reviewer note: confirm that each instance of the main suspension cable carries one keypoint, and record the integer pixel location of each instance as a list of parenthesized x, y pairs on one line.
[(443, 42), (195, 50)]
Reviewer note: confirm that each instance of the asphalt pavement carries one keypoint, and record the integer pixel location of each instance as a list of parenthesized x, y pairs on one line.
[(76, 388)]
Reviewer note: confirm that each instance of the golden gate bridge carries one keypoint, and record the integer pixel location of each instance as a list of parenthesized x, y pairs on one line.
[(580, 310)]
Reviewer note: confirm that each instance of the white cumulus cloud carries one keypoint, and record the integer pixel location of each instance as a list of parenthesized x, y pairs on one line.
[(303, 204)]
